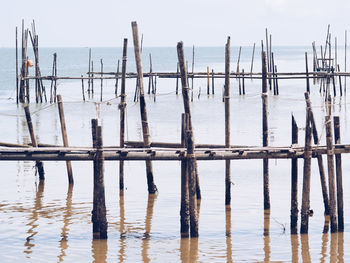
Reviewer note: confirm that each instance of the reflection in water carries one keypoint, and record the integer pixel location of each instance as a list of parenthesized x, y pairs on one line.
[(333, 248), (305, 250), (66, 222), (267, 248), (340, 246), (148, 225), (228, 233), (324, 247), (34, 218), (122, 230), (189, 250), (295, 248), (99, 249)]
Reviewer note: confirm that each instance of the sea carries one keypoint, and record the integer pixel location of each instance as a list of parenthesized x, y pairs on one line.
[(50, 221)]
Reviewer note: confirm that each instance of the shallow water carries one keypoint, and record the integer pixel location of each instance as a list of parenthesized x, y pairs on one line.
[(48, 222)]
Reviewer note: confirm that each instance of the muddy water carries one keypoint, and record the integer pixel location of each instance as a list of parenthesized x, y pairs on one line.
[(51, 222)]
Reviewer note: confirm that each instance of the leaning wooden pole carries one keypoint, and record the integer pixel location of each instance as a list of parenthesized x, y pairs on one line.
[(294, 183), (122, 107), (305, 206), (227, 120), (39, 164), (190, 144), (339, 176), (265, 131), (64, 137), (98, 217), (324, 187), (17, 84), (144, 119)]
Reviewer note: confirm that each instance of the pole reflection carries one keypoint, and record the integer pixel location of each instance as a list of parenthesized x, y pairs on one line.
[(305, 250), (228, 233), (295, 248), (122, 229), (99, 250), (267, 246), (148, 225)]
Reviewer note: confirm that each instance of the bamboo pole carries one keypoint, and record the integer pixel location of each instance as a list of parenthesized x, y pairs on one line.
[(307, 74), (177, 78), (101, 62), (227, 120), (144, 119), (82, 88), (208, 81), (345, 51), (98, 217), (252, 62), (212, 82), (17, 86), (264, 97), (340, 84), (122, 107), (243, 82), (184, 210), (190, 145), (273, 74), (318, 156), (339, 176), (117, 79), (305, 206), (294, 183), (39, 164), (64, 137), (89, 74)]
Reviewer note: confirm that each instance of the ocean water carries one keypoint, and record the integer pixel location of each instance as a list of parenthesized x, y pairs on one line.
[(51, 222)]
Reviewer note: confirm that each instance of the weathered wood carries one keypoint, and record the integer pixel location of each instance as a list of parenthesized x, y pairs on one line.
[(340, 84), (266, 187), (305, 206), (39, 164), (82, 88), (184, 210), (144, 119), (339, 176), (307, 74), (17, 79), (227, 120), (331, 181), (64, 137), (89, 73), (122, 107), (98, 217), (101, 62), (212, 82), (116, 80), (274, 77), (208, 81), (252, 62), (294, 183), (177, 78), (319, 157)]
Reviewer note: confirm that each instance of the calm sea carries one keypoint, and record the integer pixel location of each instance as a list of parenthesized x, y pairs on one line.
[(50, 222)]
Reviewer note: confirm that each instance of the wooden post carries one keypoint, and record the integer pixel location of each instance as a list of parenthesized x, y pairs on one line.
[(82, 88), (307, 74), (339, 176), (192, 88), (177, 78), (208, 81), (92, 80), (184, 211), (89, 74), (117, 79), (55, 82), (101, 61), (150, 78), (305, 206), (273, 74), (64, 137), (122, 106), (17, 86), (212, 82), (243, 82), (331, 182), (144, 119), (252, 62), (190, 145), (265, 131), (318, 156), (346, 39), (227, 120), (294, 183), (98, 217), (340, 85), (276, 79), (39, 164)]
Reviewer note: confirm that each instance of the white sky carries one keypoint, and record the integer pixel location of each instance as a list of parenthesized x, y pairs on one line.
[(103, 23)]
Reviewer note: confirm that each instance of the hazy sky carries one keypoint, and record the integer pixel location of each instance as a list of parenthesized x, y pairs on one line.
[(202, 23)]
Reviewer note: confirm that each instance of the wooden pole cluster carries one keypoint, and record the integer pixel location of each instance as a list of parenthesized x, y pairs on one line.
[(98, 217), (144, 119), (24, 84)]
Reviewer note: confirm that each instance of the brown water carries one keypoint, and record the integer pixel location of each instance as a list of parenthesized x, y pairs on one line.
[(51, 222)]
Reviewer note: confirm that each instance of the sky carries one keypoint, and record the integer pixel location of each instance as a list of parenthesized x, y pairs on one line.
[(104, 23)]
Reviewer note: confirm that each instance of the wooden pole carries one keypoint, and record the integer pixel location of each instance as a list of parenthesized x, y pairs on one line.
[(346, 39), (39, 164), (307, 74), (243, 82), (212, 82), (184, 211), (340, 85), (89, 82), (318, 156), (265, 131), (227, 120), (305, 206), (177, 78), (208, 81), (98, 217), (101, 61), (55, 82), (192, 88), (17, 86), (273, 74), (82, 87), (276, 78), (122, 107), (294, 183), (190, 145), (117, 79), (252, 62), (144, 119), (339, 176), (92, 80), (64, 137)]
